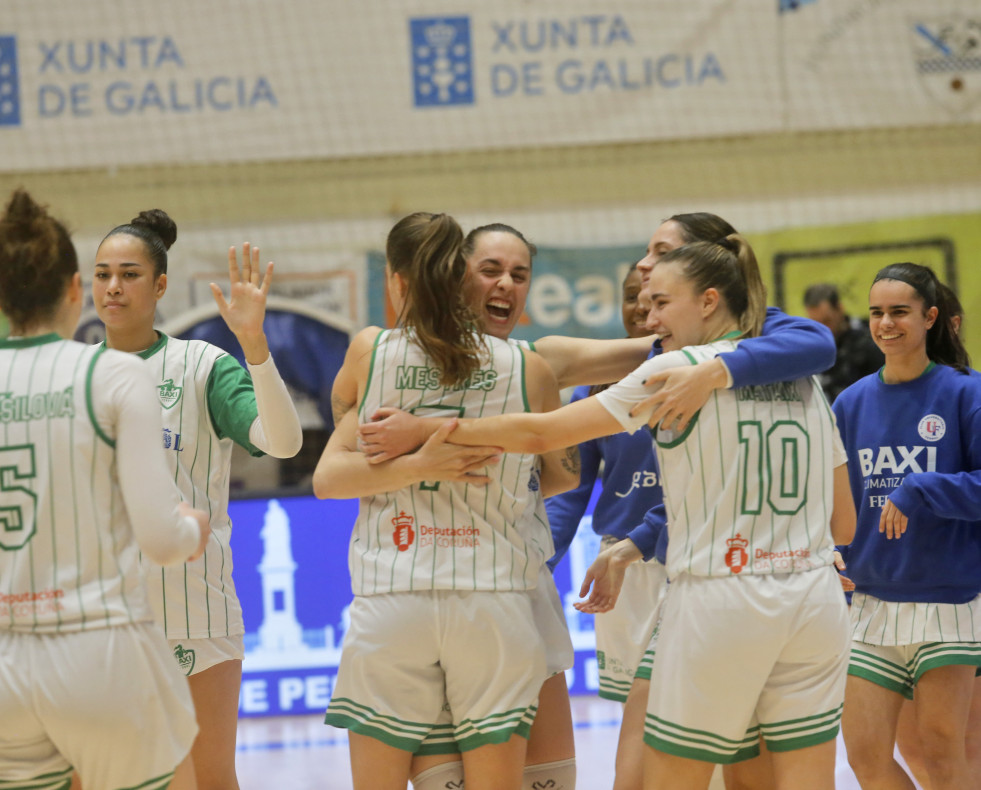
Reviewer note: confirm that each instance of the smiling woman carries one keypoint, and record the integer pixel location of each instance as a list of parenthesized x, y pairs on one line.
[(741, 463), (499, 264), (208, 403), (913, 436)]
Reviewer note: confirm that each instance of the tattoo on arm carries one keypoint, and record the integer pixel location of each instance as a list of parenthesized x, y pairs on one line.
[(339, 407), (570, 460)]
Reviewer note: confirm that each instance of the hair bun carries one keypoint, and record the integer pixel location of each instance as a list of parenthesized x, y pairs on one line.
[(159, 222)]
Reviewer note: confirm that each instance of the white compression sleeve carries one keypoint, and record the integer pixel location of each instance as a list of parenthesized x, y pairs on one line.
[(276, 430), (440, 777), (560, 775)]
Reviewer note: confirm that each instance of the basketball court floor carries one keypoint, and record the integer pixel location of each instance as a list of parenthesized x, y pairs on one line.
[(301, 753)]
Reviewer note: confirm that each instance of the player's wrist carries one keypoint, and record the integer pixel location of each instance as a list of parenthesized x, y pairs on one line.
[(625, 553)]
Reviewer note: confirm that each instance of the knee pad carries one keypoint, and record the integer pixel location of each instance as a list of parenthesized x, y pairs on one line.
[(560, 775), (445, 776)]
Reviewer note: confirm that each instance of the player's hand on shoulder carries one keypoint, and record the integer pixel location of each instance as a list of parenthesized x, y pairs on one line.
[(681, 392)]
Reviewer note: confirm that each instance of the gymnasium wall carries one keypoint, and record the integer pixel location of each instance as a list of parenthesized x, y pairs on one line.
[(823, 129)]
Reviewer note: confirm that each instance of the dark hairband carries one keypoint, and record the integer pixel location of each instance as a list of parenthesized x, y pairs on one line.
[(931, 301), (728, 244)]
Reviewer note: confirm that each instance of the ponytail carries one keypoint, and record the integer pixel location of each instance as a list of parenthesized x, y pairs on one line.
[(728, 265), (426, 250)]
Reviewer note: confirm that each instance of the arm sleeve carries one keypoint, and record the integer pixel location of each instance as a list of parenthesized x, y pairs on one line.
[(946, 495), (565, 511), (621, 397), (127, 410), (647, 534), (232, 402), (276, 429), (789, 348)]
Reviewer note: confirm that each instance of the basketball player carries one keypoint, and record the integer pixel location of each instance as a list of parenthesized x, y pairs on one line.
[(750, 495), (208, 402), (86, 679), (442, 560)]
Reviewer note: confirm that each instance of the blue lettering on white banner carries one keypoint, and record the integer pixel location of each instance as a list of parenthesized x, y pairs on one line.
[(149, 81)]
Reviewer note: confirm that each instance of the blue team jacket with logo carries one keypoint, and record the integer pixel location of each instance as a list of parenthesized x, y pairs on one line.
[(631, 487), (919, 445)]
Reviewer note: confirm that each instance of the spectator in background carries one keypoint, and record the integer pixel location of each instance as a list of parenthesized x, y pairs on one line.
[(857, 354)]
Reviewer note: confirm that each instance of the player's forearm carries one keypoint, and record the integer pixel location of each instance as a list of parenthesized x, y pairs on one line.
[(346, 474), (276, 430), (513, 433), (576, 360)]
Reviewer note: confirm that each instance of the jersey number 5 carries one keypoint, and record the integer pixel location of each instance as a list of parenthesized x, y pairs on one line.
[(18, 505)]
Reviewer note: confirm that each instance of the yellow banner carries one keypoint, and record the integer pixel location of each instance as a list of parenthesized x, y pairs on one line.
[(850, 255)]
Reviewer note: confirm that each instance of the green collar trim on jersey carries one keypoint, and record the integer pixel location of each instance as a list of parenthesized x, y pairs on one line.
[(735, 333), (680, 437), (28, 342), (146, 353), (930, 366)]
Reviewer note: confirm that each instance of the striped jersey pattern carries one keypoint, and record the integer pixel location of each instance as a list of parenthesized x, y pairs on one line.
[(194, 600), (889, 623), (449, 536), (68, 556), (748, 485)]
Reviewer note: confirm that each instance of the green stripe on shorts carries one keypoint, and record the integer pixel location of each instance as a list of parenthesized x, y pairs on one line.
[(616, 690), (497, 728), (348, 714), (883, 673), (440, 740), (56, 780), (944, 654), (786, 736), (699, 744)]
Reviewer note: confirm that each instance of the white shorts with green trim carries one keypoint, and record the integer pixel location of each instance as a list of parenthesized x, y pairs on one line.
[(196, 655), (647, 660), (900, 667), (623, 633), (745, 656), (626, 636), (108, 703), (546, 608), (407, 656)]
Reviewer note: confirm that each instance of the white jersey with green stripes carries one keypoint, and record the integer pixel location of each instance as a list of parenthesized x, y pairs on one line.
[(194, 600), (748, 485), (540, 513), (449, 536), (68, 555)]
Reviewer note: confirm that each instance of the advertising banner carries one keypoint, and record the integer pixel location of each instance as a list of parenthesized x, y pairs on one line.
[(292, 577), (86, 85)]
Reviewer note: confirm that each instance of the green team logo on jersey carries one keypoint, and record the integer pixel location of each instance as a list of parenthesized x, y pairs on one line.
[(169, 394), (185, 659)]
